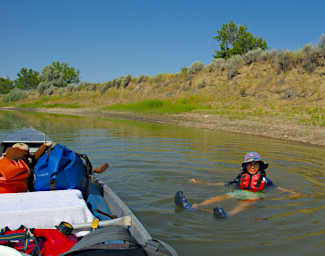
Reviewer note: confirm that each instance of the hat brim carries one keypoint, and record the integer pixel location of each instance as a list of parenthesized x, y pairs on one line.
[(264, 165)]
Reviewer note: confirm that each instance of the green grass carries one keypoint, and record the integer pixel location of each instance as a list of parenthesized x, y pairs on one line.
[(4, 104), (43, 103), (160, 106), (55, 105)]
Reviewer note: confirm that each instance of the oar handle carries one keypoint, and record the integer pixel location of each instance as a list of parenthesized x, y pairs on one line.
[(122, 221)]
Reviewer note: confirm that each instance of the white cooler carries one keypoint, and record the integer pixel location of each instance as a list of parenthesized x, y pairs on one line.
[(43, 209)]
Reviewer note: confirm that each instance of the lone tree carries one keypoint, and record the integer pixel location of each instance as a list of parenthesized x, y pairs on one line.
[(234, 40)]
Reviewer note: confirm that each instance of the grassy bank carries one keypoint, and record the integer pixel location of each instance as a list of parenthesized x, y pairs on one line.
[(258, 92), (175, 106), (261, 86)]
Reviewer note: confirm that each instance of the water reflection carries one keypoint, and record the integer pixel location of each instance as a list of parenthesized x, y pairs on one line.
[(149, 163)]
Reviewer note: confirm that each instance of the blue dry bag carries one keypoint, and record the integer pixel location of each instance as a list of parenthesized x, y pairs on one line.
[(60, 168)]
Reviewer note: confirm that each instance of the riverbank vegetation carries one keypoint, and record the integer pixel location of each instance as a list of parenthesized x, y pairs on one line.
[(257, 84)]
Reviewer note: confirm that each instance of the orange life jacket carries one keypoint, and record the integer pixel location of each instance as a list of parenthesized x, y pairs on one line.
[(13, 175)]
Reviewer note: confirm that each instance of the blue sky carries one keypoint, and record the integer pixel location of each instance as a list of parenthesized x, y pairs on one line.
[(106, 39)]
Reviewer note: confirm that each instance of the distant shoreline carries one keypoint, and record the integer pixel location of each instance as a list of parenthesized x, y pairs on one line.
[(276, 129), (261, 97)]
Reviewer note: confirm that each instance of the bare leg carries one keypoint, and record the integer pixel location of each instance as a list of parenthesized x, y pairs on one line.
[(212, 200), (101, 168), (240, 207)]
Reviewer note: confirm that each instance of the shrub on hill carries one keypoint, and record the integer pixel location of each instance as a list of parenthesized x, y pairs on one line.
[(14, 95), (196, 67)]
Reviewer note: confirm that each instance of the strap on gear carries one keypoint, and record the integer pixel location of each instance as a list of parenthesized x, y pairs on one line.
[(27, 236)]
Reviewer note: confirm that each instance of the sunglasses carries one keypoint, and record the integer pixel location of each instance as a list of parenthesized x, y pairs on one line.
[(253, 164)]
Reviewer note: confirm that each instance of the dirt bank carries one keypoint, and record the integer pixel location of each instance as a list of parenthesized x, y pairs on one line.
[(278, 129)]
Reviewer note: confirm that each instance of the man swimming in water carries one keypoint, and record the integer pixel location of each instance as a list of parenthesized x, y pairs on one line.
[(249, 184)]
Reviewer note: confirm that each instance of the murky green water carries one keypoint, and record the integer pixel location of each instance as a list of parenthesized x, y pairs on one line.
[(149, 163)]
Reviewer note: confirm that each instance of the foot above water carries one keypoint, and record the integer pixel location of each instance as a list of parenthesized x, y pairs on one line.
[(181, 201), (219, 213)]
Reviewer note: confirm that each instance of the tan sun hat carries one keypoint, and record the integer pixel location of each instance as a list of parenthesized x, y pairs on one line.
[(21, 146), (17, 151)]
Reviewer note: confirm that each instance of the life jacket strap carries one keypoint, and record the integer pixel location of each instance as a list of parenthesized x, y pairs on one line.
[(26, 236)]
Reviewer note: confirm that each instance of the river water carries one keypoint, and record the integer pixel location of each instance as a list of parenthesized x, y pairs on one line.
[(150, 162)]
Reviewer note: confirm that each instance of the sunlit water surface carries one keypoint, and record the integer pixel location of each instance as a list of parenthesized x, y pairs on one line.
[(149, 163)]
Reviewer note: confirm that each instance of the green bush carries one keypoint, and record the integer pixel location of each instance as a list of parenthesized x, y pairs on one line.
[(284, 61), (236, 60), (143, 78), (106, 86), (311, 55), (253, 56), (216, 65), (49, 91), (196, 67), (42, 87), (271, 56), (233, 64), (116, 83), (125, 80), (14, 95), (122, 81), (298, 57)]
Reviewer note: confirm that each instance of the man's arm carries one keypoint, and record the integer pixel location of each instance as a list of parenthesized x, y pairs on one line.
[(193, 180), (296, 194)]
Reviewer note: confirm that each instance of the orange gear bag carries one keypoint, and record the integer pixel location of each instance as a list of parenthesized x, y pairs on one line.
[(13, 175)]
